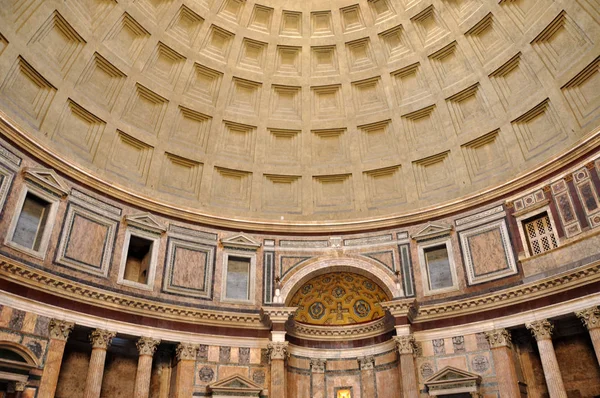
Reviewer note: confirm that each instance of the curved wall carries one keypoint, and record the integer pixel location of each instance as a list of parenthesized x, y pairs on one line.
[(300, 115)]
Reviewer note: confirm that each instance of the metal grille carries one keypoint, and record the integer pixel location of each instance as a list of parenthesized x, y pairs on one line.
[(540, 235)]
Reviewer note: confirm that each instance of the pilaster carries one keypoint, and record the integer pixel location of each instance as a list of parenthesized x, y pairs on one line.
[(501, 347), (59, 332), (183, 383), (406, 349), (317, 377)]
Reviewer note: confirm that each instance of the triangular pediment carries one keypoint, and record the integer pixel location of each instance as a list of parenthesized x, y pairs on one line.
[(452, 374), (145, 221), (47, 179), (240, 241), (432, 230), (235, 383)]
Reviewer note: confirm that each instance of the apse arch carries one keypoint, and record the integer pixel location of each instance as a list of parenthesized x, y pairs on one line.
[(326, 264)]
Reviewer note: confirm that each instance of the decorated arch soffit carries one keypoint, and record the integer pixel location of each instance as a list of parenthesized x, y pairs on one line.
[(339, 298)]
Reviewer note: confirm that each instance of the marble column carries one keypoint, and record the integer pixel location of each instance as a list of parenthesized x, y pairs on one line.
[(406, 350), (367, 376), (183, 386), (278, 353), (317, 378), (542, 331), (501, 347), (100, 340), (146, 348), (59, 333), (591, 319)]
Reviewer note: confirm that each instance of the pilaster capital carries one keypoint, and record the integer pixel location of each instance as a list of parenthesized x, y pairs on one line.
[(366, 362), (101, 338), (317, 365), (541, 330), (20, 386), (60, 330), (405, 344), (277, 314), (499, 338), (590, 317), (278, 349), (147, 345), (186, 351)]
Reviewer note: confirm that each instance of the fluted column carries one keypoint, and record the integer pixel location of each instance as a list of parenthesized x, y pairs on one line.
[(59, 333), (501, 347), (146, 347), (542, 331), (367, 376), (100, 340), (406, 350), (317, 377), (278, 352), (183, 386), (591, 319)]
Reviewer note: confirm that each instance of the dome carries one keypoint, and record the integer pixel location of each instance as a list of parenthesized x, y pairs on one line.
[(273, 114)]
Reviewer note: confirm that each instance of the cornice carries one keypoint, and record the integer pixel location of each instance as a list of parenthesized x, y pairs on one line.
[(10, 129), (347, 332), (40, 280), (515, 295)]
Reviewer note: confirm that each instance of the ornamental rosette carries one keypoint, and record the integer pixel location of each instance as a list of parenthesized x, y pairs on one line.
[(60, 330), (499, 338), (278, 350), (101, 338), (590, 317), (147, 345), (405, 344), (186, 351), (541, 330)]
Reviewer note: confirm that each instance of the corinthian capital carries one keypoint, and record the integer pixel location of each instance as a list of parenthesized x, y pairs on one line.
[(317, 365), (366, 363), (147, 345), (186, 351), (101, 338), (541, 330), (60, 330), (590, 317), (278, 350), (405, 344), (499, 338)]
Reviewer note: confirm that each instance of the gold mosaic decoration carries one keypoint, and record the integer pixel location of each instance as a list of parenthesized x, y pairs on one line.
[(339, 298)]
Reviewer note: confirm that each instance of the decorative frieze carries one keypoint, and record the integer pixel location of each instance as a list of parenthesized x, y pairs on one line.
[(366, 362), (186, 351), (499, 338), (101, 338), (60, 330), (317, 365), (147, 345), (278, 350), (541, 330), (590, 317), (405, 344)]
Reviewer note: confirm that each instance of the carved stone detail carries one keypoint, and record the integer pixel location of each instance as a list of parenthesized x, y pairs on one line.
[(60, 330), (278, 350), (590, 317), (541, 330), (366, 362), (405, 344), (20, 386), (101, 338), (499, 338), (186, 351), (317, 365), (147, 345)]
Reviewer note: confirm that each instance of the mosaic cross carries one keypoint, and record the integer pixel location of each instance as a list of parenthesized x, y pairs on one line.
[(339, 311)]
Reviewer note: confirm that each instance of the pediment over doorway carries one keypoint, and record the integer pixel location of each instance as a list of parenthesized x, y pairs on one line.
[(235, 386), (451, 380)]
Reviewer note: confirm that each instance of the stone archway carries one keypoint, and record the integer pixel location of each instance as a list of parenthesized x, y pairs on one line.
[(314, 267), (17, 362)]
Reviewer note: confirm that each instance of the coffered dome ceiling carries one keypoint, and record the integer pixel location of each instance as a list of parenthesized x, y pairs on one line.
[(338, 299), (299, 111)]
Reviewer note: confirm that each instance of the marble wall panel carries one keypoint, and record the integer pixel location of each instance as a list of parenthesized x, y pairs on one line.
[(189, 268)]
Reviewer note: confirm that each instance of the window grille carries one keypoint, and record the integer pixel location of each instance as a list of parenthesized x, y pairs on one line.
[(540, 234)]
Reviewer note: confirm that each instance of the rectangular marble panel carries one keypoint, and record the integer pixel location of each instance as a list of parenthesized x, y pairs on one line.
[(189, 268)]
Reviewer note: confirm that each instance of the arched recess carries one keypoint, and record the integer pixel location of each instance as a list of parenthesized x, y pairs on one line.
[(322, 265), (16, 362)]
